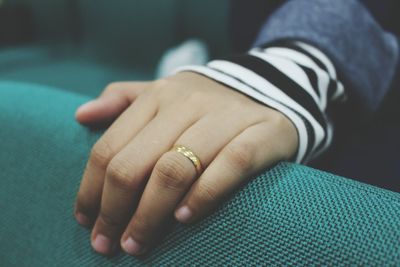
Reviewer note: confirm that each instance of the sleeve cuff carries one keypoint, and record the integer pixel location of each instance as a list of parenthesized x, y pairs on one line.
[(297, 80)]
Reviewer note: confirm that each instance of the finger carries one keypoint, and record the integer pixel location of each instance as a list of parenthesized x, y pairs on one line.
[(250, 152), (110, 104), (173, 175), (113, 140), (128, 172)]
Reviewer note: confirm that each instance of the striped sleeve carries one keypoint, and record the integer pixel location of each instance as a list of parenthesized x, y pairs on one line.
[(294, 78)]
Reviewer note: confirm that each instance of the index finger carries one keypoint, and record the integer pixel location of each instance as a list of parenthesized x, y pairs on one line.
[(114, 139)]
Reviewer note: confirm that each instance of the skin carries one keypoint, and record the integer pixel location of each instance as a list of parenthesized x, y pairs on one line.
[(134, 183)]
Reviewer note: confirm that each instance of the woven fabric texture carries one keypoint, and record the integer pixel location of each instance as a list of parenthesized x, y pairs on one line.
[(289, 215)]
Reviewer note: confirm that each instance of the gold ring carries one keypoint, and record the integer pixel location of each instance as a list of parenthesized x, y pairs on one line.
[(191, 156)]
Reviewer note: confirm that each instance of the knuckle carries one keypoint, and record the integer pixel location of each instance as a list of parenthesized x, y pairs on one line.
[(101, 154), (85, 205), (120, 174), (82, 201), (206, 195), (156, 90), (141, 228), (171, 172), (140, 225), (160, 84), (241, 155), (108, 220)]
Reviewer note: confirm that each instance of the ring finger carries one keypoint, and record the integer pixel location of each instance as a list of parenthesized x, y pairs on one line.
[(173, 175)]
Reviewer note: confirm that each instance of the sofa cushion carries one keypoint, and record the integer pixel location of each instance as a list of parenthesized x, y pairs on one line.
[(290, 215)]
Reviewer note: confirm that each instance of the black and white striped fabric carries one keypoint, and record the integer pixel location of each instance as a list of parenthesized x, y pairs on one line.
[(294, 78)]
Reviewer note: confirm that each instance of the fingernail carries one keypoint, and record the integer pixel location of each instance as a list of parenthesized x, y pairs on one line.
[(102, 244), (82, 219), (183, 214), (85, 106), (133, 247)]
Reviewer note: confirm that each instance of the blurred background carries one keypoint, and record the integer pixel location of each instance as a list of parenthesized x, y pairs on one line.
[(82, 45)]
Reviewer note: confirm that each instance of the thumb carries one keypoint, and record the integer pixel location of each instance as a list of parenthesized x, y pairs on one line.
[(110, 104)]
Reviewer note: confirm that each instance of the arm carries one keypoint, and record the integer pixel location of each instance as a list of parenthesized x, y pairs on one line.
[(134, 182)]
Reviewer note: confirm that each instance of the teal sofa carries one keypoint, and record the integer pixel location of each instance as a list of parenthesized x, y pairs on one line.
[(289, 215)]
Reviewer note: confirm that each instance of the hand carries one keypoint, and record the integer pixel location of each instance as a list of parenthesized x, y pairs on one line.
[(134, 183)]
